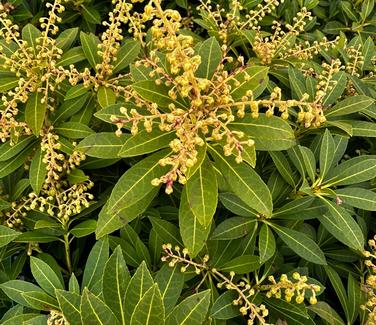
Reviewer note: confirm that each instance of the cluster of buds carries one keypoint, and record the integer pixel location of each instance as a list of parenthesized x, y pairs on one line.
[(56, 318), (268, 48), (291, 288), (355, 60), (370, 286), (325, 78)]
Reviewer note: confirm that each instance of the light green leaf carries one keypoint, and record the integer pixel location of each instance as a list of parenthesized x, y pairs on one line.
[(14, 288), (170, 281), (191, 311), (146, 142), (236, 206), (8, 151), (35, 112), (269, 133), (367, 7), (102, 145), (283, 166), (342, 226), (202, 193), (9, 166), (192, 232), (95, 264), (89, 44), (350, 105), (140, 283), (66, 38), (105, 96), (167, 231), (254, 78), (38, 172), (136, 182), (115, 281), (73, 130), (211, 56), (71, 56), (244, 182), (223, 307), (327, 313), (91, 15), (84, 228), (363, 129), (358, 197), (353, 171), (327, 152), (337, 89), (69, 303), (127, 53), (267, 246), (7, 235), (149, 310), (76, 176), (157, 94), (233, 228), (242, 264), (301, 244), (45, 275), (40, 300), (94, 311)]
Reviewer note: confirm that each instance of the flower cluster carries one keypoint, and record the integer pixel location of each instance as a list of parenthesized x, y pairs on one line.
[(244, 287), (370, 286), (56, 318), (290, 288)]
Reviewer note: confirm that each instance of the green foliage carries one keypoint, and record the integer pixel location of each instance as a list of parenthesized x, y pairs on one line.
[(187, 162)]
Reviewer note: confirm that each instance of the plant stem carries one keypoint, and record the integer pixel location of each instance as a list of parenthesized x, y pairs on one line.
[(67, 253)]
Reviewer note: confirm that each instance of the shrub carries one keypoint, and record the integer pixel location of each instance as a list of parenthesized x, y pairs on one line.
[(187, 162)]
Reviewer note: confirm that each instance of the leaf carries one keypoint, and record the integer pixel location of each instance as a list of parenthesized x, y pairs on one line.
[(140, 283), (14, 288), (367, 7), (327, 313), (283, 166), (309, 161), (115, 281), (350, 105), (74, 130), (84, 228), (146, 142), (342, 226), (7, 235), (233, 228), (291, 313), (70, 107), (91, 15), (167, 231), (76, 176), (157, 94), (8, 150), (95, 264), (223, 307), (202, 193), (127, 53), (89, 44), (363, 129), (35, 236), (353, 171), (191, 311), (170, 281), (38, 172), (30, 34), (105, 96), (72, 56), (66, 38), (354, 298), (245, 183), (267, 246), (242, 264), (102, 145), (327, 152), (73, 284), (269, 133), (358, 197), (40, 300), (211, 56), (339, 288), (194, 235), (338, 88), (300, 244), (94, 311), (136, 182), (236, 206), (254, 78), (45, 275), (297, 83), (35, 112), (9, 166), (70, 306), (149, 310)]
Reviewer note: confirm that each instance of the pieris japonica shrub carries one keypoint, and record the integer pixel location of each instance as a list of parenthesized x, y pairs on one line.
[(187, 162)]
